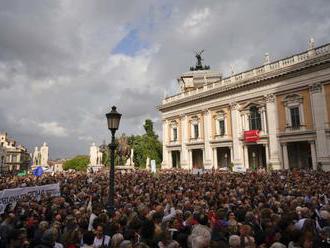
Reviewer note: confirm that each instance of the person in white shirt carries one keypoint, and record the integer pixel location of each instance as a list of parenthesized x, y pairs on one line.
[(101, 240)]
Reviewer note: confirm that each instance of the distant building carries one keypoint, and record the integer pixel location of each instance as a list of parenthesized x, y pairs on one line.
[(56, 165), (16, 157), (276, 115), (2, 156)]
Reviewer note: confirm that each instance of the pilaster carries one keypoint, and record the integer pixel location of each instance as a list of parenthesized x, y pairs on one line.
[(184, 149), (319, 122), (285, 156), (271, 111), (165, 163), (236, 129), (207, 147)]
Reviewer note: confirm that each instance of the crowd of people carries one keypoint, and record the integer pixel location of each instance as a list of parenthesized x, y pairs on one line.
[(172, 208)]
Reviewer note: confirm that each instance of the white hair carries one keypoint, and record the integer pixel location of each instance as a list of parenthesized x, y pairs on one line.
[(234, 241)]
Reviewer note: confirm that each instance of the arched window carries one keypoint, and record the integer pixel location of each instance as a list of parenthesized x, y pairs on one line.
[(255, 119)]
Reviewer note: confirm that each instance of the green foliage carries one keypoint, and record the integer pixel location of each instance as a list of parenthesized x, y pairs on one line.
[(146, 145), (149, 128), (231, 166), (78, 163)]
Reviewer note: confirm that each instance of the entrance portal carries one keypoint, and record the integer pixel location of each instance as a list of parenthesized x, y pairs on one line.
[(175, 159), (223, 155), (299, 154), (197, 158), (257, 156)]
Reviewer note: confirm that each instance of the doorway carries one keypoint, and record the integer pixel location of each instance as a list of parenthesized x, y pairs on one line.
[(300, 156), (223, 156), (257, 156), (197, 159), (175, 159)]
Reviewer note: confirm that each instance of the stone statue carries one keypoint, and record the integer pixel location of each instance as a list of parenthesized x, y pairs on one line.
[(95, 158), (44, 154), (267, 59), (311, 43), (199, 59), (123, 149), (40, 156), (129, 161), (94, 155), (199, 65), (232, 69)]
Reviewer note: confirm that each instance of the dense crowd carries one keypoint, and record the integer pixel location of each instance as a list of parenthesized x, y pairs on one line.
[(172, 209)]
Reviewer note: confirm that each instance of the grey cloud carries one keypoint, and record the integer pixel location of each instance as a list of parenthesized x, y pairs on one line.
[(57, 70)]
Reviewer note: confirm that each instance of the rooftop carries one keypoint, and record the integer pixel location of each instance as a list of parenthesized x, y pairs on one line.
[(267, 70)]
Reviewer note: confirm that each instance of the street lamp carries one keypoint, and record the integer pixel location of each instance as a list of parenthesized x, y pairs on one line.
[(113, 118)]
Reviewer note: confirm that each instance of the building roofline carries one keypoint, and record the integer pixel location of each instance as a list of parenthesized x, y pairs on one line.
[(277, 68)]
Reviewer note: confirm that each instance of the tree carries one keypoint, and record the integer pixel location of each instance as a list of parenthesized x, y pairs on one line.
[(78, 163), (146, 145)]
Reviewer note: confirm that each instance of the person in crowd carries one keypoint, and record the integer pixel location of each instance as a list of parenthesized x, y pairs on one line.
[(175, 208)]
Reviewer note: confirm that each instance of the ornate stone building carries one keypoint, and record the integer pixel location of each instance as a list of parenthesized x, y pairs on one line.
[(13, 157), (274, 115)]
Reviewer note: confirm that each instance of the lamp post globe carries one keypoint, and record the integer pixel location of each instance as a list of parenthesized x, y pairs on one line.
[(113, 119)]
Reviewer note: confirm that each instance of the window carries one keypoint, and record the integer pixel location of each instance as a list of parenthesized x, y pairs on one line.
[(255, 119), (175, 134), (295, 118), (196, 131), (221, 124)]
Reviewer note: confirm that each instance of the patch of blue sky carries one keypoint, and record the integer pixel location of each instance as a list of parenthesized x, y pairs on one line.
[(130, 44)]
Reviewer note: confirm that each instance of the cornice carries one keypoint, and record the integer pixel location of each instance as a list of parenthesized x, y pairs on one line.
[(295, 70)]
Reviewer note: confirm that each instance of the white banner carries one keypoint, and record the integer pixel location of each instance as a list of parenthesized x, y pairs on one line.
[(8, 196)]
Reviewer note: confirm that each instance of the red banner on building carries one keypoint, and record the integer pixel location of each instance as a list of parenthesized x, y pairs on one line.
[(251, 136)]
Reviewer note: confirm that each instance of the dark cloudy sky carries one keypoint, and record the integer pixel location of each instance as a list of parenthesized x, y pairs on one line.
[(63, 63)]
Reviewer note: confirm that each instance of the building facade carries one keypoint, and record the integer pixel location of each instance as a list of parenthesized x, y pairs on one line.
[(16, 157), (276, 115)]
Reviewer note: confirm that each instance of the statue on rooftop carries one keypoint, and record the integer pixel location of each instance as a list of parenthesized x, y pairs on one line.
[(199, 65)]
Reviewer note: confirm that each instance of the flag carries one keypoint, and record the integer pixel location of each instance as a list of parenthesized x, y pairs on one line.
[(22, 173), (38, 171)]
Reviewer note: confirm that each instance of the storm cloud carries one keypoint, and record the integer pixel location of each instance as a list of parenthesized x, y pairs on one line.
[(64, 63)]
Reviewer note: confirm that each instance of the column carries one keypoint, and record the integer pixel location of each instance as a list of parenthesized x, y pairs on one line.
[(215, 158), (285, 156), (267, 154), (184, 149), (207, 156), (190, 165), (319, 119), (313, 152), (243, 122), (263, 120), (271, 113), (237, 131), (246, 157), (165, 163), (170, 162)]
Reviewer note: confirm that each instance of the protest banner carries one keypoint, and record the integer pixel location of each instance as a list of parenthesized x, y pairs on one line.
[(9, 196)]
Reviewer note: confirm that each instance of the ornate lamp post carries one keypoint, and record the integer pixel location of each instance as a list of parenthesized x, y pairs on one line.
[(113, 118)]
